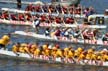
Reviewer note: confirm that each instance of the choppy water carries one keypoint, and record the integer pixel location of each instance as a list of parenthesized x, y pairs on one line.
[(15, 65)]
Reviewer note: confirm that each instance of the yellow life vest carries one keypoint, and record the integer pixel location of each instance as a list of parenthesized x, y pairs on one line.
[(21, 49), (45, 47), (6, 37), (26, 49), (94, 56), (99, 57), (104, 57), (90, 51), (47, 52), (15, 48), (82, 56), (66, 49), (4, 42), (88, 56), (77, 53), (65, 53), (70, 54), (53, 52), (37, 52), (59, 53)]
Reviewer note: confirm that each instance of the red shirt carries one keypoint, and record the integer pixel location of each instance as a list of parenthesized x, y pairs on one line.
[(57, 33)]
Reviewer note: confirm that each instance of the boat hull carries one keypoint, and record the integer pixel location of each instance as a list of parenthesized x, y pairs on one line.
[(63, 3), (67, 2), (61, 39), (23, 23)]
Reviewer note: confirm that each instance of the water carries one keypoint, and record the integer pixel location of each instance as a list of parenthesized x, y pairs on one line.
[(16, 65)]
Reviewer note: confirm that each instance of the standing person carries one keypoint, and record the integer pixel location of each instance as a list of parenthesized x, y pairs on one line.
[(19, 4), (4, 41)]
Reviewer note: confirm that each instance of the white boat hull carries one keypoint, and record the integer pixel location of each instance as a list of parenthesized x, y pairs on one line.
[(24, 2), (62, 39), (10, 22)]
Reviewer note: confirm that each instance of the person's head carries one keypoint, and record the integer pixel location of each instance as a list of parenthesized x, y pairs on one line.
[(6, 37), (106, 34), (17, 44)]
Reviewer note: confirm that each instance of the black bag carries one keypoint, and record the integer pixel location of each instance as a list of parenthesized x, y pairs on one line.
[(100, 20)]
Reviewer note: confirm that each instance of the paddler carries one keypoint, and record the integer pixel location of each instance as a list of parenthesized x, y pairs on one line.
[(47, 32), (90, 55), (104, 55), (89, 34), (71, 54), (59, 53), (69, 20), (5, 15), (33, 48), (4, 41), (37, 52), (22, 48), (54, 50), (105, 37), (44, 47), (20, 17), (81, 57), (16, 47), (29, 7), (66, 52), (78, 52), (56, 33)]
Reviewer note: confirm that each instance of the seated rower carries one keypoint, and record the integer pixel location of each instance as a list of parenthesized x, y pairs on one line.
[(4, 41), (71, 54), (65, 10), (45, 8), (22, 48), (5, 15), (21, 17), (69, 20), (37, 8), (37, 52), (59, 8), (14, 17), (58, 20), (105, 37), (29, 7), (28, 17), (15, 47), (33, 48), (81, 57), (89, 34), (104, 55), (43, 18), (51, 9), (56, 33), (59, 53), (47, 32), (78, 52)]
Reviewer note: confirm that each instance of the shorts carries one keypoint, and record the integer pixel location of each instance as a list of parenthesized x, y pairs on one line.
[(2, 46)]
